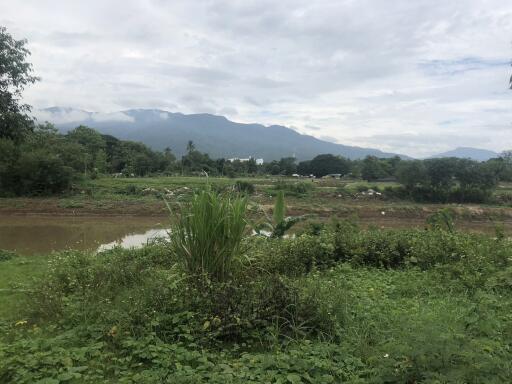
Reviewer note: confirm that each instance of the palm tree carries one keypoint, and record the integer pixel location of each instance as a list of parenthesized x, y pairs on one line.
[(190, 146)]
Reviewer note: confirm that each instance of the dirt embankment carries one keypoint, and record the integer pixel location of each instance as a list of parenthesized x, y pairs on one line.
[(59, 207), (316, 208)]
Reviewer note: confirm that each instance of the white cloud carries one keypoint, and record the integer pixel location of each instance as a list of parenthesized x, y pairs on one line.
[(114, 116), (355, 71), (70, 115), (61, 116)]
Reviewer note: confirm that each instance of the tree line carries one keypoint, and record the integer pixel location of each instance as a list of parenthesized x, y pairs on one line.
[(45, 162)]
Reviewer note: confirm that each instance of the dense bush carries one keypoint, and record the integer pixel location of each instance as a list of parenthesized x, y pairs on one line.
[(242, 186), (503, 198), (6, 255)]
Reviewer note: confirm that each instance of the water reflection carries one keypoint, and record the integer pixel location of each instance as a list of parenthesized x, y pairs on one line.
[(135, 240), (30, 235)]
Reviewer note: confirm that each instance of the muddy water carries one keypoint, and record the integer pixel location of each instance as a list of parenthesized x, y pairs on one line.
[(30, 235)]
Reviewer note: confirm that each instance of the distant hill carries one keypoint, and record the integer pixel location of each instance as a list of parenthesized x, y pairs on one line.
[(469, 153), (213, 134)]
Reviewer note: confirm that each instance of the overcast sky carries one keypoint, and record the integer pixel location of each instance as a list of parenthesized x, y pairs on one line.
[(414, 77)]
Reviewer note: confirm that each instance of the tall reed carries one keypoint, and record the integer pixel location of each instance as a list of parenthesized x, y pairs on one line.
[(208, 232)]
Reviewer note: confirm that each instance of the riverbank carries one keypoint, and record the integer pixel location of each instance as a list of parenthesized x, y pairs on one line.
[(107, 210)]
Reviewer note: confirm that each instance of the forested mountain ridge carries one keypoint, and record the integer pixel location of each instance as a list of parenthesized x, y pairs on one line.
[(469, 153), (215, 135)]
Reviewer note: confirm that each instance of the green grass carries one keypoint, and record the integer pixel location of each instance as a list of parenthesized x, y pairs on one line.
[(16, 276)]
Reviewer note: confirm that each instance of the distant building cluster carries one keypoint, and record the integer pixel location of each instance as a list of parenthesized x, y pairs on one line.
[(258, 161)]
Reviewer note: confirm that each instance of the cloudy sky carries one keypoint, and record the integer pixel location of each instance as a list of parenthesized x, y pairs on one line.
[(414, 77)]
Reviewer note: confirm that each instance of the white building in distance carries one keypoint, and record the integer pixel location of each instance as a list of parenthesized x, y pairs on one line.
[(258, 161)]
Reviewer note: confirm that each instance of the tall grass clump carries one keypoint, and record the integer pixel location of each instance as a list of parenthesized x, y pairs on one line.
[(208, 232)]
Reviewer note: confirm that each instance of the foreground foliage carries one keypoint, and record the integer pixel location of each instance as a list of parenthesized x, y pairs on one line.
[(339, 304), (207, 234)]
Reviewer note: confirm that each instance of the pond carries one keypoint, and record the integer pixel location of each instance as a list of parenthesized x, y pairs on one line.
[(31, 235)]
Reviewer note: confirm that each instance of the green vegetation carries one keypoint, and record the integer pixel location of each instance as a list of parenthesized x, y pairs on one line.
[(45, 162), (277, 225), (15, 75), (334, 304), (294, 188), (6, 255), (244, 187), (17, 274), (323, 165), (206, 236)]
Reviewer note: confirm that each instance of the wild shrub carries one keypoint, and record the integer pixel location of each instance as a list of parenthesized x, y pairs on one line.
[(503, 198), (342, 191), (389, 249), (442, 220), (89, 276), (362, 188), (245, 187), (133, 190), (244, 309), (297, 189), (6, 255), (314, 228)]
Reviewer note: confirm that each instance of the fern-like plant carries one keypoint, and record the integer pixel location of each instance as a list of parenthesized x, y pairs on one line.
[(279, 224)]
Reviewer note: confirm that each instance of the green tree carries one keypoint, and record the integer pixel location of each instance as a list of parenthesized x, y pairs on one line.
[(412, 174), (326, 164), (100, 161), (476, 180), (15, 75), (287, 166), (89, 138), (190, 147), (304, 168), (252, 167), (9, 154), (372, 169), (95, 147), (441, 172), (41, 172), (195, 161)]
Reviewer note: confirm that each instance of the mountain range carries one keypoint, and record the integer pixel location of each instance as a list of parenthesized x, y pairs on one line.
[(469, 153), (215, 135)]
